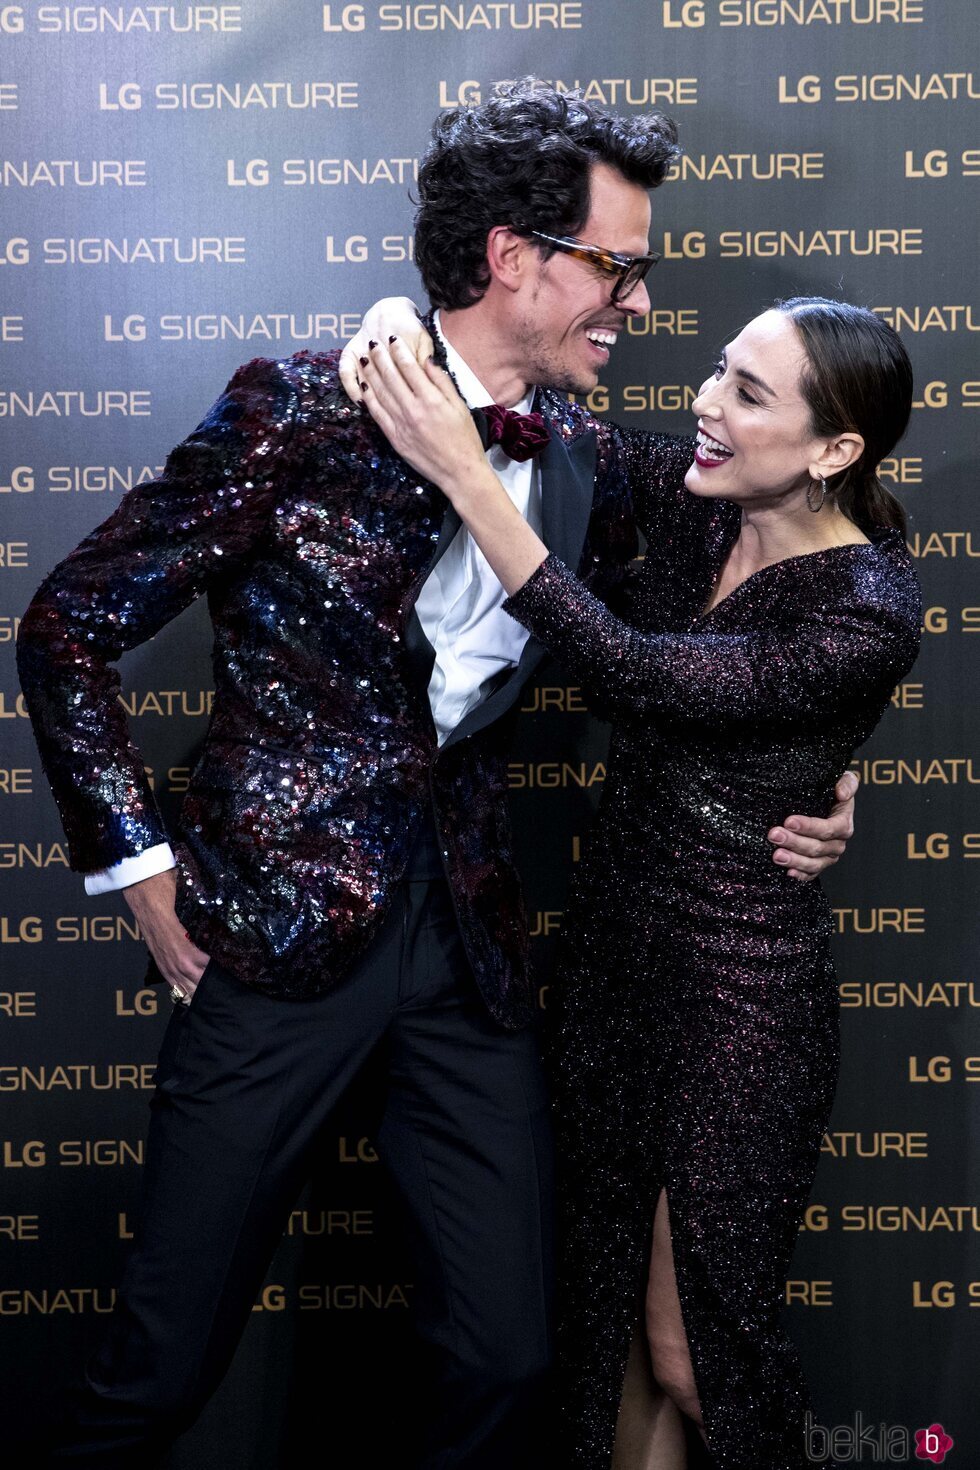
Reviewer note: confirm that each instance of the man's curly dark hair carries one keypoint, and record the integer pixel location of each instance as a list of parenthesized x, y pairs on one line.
[(521, 158)]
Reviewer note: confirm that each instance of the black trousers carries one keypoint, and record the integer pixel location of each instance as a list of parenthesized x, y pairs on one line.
[(245, 1085)]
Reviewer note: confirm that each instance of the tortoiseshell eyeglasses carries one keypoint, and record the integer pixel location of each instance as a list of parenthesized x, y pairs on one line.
[(629, 270)]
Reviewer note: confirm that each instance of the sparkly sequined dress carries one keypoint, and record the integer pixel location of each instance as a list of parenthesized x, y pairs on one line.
[(696, 1044)]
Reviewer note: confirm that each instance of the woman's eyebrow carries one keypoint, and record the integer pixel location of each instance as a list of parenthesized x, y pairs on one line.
[(749, 377)]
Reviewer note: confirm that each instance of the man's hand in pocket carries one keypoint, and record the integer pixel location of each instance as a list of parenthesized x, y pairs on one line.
[(177, 957)]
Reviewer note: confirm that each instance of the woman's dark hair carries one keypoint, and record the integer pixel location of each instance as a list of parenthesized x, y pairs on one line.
[(858, 377), (522, 159)]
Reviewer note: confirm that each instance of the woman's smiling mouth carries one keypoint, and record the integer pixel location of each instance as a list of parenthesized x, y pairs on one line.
[(709, 452)]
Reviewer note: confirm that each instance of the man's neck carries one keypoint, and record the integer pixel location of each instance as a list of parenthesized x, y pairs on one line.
[(477, 336)]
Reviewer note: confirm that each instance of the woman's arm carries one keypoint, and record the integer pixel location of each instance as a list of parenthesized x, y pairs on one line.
[(810, 670), (423, 417)]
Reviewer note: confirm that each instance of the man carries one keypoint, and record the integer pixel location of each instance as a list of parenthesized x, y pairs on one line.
[(341, 873)]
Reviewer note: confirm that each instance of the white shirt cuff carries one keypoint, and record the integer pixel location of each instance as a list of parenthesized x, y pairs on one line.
[(146, 864)]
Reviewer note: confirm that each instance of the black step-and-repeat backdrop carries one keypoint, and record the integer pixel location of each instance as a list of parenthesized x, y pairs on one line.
[(185, 186)]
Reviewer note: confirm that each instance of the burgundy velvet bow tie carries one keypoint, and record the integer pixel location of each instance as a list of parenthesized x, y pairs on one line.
[(520, 435)]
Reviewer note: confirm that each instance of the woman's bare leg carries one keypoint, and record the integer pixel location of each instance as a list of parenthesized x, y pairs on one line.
[(649, 1432), (669, 1352)]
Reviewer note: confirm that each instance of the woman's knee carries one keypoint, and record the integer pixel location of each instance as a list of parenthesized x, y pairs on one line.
[(670, 1360), (670, 1356)]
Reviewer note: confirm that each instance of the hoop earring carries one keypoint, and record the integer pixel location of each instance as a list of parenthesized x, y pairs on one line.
[(823, 494)]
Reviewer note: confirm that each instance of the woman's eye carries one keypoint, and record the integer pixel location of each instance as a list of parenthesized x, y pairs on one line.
[(720, 369)]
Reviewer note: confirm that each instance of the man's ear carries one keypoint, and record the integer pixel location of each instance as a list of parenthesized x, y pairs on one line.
[(837, 454), (508, 257)]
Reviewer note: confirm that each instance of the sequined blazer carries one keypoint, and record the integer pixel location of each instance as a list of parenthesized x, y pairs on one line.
[(311, 540)]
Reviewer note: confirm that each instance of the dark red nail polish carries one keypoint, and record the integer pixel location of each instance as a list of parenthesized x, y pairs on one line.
[(392, 339), (364, 387), (372, 345), (363, 361)]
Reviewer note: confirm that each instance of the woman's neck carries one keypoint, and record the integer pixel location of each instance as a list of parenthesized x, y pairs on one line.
[(772, 533), (769, 535)]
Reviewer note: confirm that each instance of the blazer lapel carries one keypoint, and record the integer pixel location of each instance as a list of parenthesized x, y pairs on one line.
[(567, 490), (420, 651)]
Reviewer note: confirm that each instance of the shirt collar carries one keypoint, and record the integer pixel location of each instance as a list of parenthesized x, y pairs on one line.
[(473, 391)]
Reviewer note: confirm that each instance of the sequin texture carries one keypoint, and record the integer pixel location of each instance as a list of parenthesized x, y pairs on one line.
[(310, 538), (695, 1038)]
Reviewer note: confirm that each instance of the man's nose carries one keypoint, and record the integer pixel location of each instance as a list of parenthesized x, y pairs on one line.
[(637, 302)]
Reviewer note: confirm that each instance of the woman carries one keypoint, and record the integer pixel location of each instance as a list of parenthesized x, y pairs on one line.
[(696, 1051)]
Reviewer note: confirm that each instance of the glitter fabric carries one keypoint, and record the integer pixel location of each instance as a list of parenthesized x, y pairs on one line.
[(696, 1037), (311, 540)]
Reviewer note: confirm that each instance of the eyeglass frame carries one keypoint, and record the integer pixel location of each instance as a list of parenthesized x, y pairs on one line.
[(609, 261)]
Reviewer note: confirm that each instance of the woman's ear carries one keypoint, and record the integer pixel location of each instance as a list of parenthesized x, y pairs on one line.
[(837, 455)]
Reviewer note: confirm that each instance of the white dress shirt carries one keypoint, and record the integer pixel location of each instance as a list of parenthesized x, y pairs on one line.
[(460, 605), (460, 608)]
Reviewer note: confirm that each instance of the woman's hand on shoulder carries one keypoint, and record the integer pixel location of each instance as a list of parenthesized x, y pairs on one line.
[(392, 316), (423, 417)]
